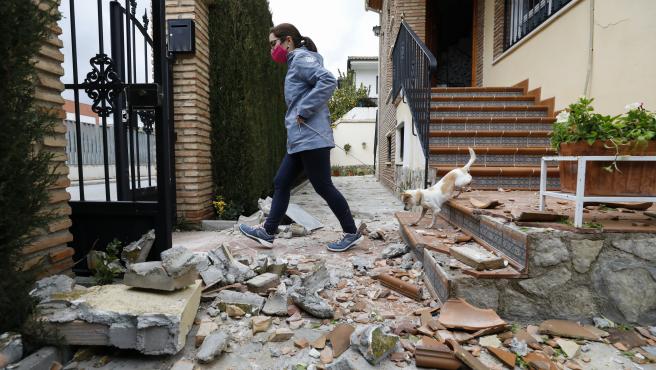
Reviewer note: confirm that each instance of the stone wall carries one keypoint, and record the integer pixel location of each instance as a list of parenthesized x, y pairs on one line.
[(192, 116), (48, 252)]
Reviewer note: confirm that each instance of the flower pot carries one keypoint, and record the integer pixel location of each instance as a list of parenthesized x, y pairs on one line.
[(632, 179)]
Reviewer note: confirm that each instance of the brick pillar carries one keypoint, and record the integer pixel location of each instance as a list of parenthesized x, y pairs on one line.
[(192, 116), (48, 252)]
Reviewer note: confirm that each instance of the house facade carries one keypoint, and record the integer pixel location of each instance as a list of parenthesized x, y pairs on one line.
[(500, 66), (365, 70)]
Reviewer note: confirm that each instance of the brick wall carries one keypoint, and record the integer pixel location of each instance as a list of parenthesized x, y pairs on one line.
[(192, 116), (479, 32), (48, 252), (499, 20), (414, 13)]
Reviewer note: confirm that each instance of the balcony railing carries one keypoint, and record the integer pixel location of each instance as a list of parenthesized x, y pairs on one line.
[(413, 68)]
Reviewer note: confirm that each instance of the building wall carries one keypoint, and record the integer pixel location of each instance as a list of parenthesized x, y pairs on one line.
[(48, 252), (414, 13), (192, 116), (556, 56), (410, 166), (366, 73), (355, 128)]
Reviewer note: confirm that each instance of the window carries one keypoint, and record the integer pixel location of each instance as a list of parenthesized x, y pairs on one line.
[(389, 148), (523, 16), (400, 142), (376, 85)]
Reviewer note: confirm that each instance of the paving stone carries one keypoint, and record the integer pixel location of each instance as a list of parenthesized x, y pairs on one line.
[(262, 283), (212, 346), (177, 261), (249, 302), (373, 343), (152, 275), (45, 287), (11, 348)]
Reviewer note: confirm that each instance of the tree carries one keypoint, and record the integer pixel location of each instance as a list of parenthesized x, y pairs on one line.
[(347, 96)]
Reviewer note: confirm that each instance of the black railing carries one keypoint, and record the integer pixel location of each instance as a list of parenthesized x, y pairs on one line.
[(413, 69), (523, 16)]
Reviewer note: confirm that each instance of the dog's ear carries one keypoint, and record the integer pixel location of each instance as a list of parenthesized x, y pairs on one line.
[(405, 196), (419, 197)]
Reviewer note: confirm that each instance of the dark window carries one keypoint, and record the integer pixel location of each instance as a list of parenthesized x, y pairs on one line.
[(523, 16), (389, 148), (401, 135), (376, 84)]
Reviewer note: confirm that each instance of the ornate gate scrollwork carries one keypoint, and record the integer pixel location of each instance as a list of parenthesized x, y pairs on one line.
[(103, 84)]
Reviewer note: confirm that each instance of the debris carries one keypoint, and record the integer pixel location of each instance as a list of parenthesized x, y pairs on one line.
[(298, 230), (311, 303), (212, 346), (490, 341), (301, 343), (265, 205), (183, 364), (484, 204), (466, 357), (276, 304), (436, 356), (378, 234), (205, 328), (45, 358), (262, 283), (252, 220), (538, 360), (629, 338), (260, 324), (407, 289), (569, 347), (11, 348), (224, 268), (152, 275), (45, 287), (633, 206), (535, 216), (395, 250), (342, 364), (373, 343), (117, 315), (463, 239), (476, 257), (177, 261), (300, 216), (320, 342), (567, 329), (138, 250), (362, 263), (504, 356), (234, 311), (340, 338), (314, 353), (249, 302), (457, 313), (326, 356), (603, 323), (281, 335), (318, 279), (518, 346)]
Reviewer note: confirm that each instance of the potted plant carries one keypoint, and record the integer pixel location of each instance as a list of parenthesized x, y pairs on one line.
[(579, 131), (347, 148)]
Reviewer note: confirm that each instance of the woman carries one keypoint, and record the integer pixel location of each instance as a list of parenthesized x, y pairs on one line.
[(308, 87)]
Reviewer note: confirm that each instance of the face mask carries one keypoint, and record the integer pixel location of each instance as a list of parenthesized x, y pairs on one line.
[(279, 54)]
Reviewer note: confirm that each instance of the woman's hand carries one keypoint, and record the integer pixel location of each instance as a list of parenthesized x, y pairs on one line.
[(300, 120)]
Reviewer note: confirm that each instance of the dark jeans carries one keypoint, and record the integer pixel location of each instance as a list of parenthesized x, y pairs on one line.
[(316, 165)]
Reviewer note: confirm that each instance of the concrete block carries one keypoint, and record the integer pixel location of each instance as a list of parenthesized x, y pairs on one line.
[(138, 250), (249, 302), (11, 348), (177, 261), (39, 360), (213, 346), (123, 335), (152, 275), (262, 283), (45, 287)]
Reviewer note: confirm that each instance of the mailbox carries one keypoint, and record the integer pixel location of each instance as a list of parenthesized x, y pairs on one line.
[(182, 36), (143, 96)]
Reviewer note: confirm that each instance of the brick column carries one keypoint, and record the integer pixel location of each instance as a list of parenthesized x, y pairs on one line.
[(192, 116), (48, 253)]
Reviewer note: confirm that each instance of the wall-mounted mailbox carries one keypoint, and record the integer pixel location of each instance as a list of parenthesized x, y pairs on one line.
[(182, 36), (142, 96)]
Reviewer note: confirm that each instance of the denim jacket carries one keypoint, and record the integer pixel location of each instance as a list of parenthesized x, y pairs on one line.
[(308, 87)]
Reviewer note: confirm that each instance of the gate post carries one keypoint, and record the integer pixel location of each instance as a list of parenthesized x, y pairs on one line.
[(48, 253), (191, 104)]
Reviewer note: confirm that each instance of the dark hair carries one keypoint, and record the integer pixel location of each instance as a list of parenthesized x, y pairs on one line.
[(287, 29)]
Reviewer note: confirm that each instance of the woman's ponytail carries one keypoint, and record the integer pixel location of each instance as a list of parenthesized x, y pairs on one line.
[(286, 29), (308, 43)]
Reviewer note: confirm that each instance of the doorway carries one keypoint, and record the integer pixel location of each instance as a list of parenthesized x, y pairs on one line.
[(449, 26)]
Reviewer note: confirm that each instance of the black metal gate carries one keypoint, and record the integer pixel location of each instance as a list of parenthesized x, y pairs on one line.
[(128, 86)]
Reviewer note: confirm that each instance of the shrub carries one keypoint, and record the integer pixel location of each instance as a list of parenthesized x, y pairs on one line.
[(246, 102), (24, 172), (347, 96)]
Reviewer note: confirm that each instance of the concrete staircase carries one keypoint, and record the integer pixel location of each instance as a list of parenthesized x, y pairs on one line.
[(508, 127)]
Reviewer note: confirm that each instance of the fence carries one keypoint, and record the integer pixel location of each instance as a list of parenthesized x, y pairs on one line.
[(92, 145)]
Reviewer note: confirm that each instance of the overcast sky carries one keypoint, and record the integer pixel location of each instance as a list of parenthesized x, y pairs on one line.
[(340, 28)]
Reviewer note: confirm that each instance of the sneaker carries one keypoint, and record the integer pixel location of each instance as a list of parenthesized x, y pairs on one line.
[(258, 234), (348, 241)]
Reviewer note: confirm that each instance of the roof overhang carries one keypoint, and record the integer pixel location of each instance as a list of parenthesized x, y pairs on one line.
[(373, 5)]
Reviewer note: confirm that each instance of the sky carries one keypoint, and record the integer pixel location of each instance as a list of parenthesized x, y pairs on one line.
[(339, 28)]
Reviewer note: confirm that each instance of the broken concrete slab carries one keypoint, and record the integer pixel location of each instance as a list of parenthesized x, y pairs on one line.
[(45, 358), (311, 303), (177, 261), (570, 348), (205, 328), (153, 323), (260, 324), (249, 302), (138, 250), (490, 341), (11, 348), (318, 279), (234, 311), (152, 275), (183, 364), (281, 335), (212, 346), (300, 216), (265, 205), (262, 283), (224, 269), (45, 287), (477, 257), (373, 343), (252, 220), (276, 304), (395, 250)]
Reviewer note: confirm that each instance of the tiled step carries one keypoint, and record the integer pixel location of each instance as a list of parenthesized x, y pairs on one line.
[(506, 177), (491, 123), (452, 157), (490, 138), (487, 111), (477, 91), (451, 100)]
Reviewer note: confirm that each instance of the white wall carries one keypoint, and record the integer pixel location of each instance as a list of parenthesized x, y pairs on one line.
[(365, 74), (356, 127), (410, 171)]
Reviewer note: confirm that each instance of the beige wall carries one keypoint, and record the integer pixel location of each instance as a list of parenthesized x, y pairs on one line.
[(556, 57)]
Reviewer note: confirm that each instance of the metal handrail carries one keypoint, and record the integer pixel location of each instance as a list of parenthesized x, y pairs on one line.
[(413, 69)]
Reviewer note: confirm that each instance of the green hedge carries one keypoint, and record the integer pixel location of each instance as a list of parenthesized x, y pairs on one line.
[(24, 174), (246, 102)]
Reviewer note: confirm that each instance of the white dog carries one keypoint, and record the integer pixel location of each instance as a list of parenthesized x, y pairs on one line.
[(445, 189)]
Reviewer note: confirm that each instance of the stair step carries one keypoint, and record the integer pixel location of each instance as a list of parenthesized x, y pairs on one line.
[(477, 91), (501, 171), (490, 138), (544, 151), (488, 160), (500, 133), (491, 123), (506, 177), (486, 111), (451, 100)]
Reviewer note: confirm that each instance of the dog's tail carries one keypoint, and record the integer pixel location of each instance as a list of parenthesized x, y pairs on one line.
[(472, 158)]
